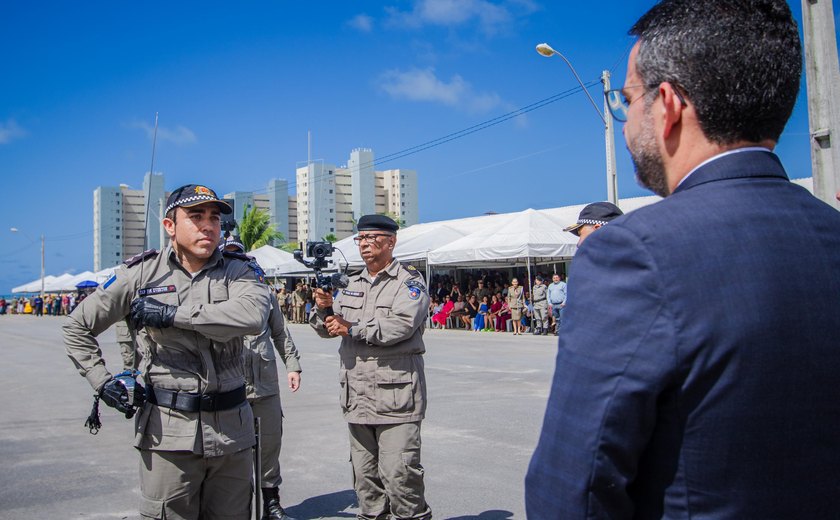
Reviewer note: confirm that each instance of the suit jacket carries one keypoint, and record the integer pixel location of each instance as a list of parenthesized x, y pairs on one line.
[(698, 361)]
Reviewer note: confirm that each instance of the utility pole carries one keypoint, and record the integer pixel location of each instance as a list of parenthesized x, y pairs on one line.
[(612, 177), (822, 75)]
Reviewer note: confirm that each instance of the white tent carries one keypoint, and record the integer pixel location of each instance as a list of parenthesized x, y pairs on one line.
[(70, 285), (33, 286), (270, 258), (413, 243), (523, 235)]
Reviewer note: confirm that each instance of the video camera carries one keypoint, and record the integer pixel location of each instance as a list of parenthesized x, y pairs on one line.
[(228, 225), (320, 251)]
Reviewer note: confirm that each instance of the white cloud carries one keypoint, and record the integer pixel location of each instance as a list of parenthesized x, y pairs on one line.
[(424, 85), (180, 135), (361, 22), (10, 130), (490, 16)]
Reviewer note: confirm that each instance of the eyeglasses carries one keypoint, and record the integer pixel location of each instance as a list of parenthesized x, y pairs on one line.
[(370, 239), (619, 104)]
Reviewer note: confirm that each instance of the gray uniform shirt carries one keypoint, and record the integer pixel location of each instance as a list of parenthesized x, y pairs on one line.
[(538, 295), (260, 361), (381, 376), (200, 353)]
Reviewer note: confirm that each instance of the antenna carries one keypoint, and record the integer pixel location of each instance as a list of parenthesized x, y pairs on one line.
[(147, 196)]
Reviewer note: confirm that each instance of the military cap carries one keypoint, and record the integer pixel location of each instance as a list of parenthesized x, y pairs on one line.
[(595, 213), (234, 241), (377, 223), (193, 195)]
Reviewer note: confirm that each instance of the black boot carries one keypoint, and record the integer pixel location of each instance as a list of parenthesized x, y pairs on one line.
[(271, 505)]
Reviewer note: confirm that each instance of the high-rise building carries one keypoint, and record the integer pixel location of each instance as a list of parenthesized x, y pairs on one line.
[(118, 219), (328, 201), (337, 197)]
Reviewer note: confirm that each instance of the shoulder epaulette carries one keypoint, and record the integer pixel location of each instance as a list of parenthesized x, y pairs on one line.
[(236, 254), (136, 259), (411, 269), (259, 274)]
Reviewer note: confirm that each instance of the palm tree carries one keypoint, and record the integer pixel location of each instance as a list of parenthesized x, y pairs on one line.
[(255, 229), (331, 238)]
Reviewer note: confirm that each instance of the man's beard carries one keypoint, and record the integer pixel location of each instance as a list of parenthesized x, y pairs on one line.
[(650, 170)]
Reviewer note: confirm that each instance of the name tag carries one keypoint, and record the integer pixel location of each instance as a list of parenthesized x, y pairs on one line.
[(147, 291), (357, 294)]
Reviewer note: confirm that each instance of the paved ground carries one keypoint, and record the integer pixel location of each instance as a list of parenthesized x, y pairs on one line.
[(487, 395)]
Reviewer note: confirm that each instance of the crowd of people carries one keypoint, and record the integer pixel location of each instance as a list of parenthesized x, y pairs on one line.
[(295, 304), (490, 301), (59, 304)]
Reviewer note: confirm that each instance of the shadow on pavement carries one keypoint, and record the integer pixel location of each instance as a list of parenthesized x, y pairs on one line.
[(493, 514), (331, 505)]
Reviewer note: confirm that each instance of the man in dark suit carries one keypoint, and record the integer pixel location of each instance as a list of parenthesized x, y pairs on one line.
[(690, 381)]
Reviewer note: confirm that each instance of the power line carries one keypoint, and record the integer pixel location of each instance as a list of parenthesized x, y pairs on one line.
[(458, 134)]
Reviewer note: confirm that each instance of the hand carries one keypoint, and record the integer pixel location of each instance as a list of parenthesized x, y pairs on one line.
[(294, 381), (148, 312), (337, 326), (323, 299), (115, 394)]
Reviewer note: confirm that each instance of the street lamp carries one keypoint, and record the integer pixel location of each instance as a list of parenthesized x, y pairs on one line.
[(16, 230), (609, 139)]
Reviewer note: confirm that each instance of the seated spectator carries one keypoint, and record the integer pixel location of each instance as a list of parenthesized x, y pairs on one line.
[(459, 309), (470, 311), (503, 316), (442, 315), (493, 313), (434, 306)]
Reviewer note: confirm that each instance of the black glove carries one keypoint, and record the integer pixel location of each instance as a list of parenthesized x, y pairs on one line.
[(148, 312), (115, 394), (123, 393)]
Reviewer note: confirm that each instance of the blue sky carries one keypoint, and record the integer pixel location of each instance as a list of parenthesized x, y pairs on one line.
[(238, 85)]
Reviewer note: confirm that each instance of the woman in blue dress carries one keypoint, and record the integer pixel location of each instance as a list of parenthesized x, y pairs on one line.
[(483, 309)]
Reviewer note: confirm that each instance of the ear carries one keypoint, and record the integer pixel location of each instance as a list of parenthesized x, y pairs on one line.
[(672, 109), (169, 227)]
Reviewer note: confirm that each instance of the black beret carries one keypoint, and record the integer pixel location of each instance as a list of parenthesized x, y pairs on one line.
[(193, 195), (377, 223)]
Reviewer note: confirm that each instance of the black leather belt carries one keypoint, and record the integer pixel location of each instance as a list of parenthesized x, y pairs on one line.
[(187, 402)]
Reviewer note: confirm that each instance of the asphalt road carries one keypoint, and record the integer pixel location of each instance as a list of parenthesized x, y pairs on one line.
[(487, 394)]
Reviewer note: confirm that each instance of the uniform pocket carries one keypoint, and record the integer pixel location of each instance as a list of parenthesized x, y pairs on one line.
[(218, 293), (344, 390), (394, 391), (152, 508), (267, 373), (351, 309)]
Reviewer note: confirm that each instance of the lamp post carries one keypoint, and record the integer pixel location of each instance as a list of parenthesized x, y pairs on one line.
[(609, 139), (16, 230)]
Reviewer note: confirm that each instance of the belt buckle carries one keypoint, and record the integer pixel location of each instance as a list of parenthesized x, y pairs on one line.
[(208, 402)]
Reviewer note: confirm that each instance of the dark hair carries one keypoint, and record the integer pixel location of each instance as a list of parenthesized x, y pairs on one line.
[(171, 214), (738, 61)]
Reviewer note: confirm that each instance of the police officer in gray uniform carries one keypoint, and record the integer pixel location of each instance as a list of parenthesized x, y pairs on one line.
[(380, 317), (539, 298), (128, 349), (263, 389), (193, 304)]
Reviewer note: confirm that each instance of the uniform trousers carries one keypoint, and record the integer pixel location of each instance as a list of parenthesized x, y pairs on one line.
[(387, 474), (270, 413), (181, 485), (540, 319)]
